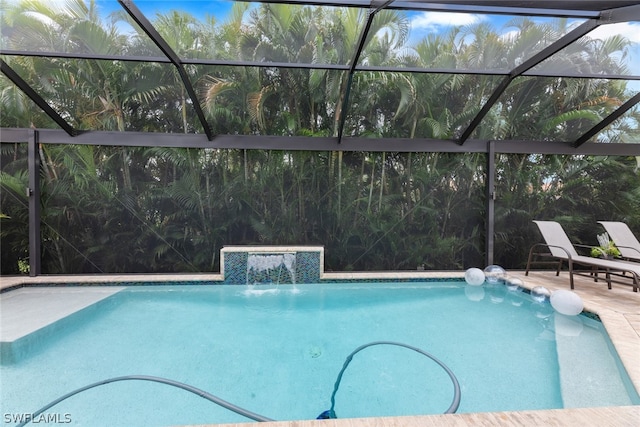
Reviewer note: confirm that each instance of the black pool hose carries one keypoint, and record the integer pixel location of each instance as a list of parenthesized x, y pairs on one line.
[(330, 413)]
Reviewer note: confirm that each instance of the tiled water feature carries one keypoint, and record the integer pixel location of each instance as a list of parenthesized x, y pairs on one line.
[(242, 265)]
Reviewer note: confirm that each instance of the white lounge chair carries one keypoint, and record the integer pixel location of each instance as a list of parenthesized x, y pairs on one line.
[(623, 238), (561, 248)]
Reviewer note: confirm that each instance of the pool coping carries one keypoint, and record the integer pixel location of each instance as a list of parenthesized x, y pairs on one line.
[(618, 309)]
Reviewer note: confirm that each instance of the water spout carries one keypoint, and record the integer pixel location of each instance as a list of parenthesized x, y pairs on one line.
[(268, 268)]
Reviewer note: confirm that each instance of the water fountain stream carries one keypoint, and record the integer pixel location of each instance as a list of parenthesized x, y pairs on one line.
[(265, 268)]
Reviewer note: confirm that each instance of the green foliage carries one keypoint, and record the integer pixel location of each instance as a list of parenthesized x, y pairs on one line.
[(371, 211), (606, 247), (111, 209), (23, 266), (141, 96), (576, 191), (609, 250), (182, 206)]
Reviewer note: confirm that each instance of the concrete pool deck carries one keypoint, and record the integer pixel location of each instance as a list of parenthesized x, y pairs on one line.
[(618, 308)]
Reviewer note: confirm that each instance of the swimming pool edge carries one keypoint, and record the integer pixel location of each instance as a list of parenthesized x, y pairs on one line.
[(624, 334), (620, 416)]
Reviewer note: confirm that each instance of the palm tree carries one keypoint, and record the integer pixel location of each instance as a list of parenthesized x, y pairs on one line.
[(135, 209)]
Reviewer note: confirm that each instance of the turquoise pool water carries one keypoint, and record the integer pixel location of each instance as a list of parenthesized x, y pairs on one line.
[(277, 351)]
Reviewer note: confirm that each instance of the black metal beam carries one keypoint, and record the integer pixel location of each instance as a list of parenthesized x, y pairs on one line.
[(36, 98), (548, 8), (159, 41), (33, 195), (608, 120), (475, 122), (621, 14), (307, 143), (81, 55), (165, 60), (490, 220), (500, 7), (593, 76), (354, 62), (315, 66), (565, 147), (545, 53), (312, 66), (14, 135)]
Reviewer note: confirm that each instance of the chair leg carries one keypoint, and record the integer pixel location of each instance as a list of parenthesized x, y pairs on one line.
[(570, 273), (526, 272), (571, 278)]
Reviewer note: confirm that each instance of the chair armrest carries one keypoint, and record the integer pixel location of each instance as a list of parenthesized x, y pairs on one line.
[(629, 247), (550, 246), (586, 247)]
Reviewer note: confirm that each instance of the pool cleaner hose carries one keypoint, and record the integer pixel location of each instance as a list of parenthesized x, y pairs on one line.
[(329, 413)]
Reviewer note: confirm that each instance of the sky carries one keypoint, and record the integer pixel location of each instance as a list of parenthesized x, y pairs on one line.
[(151, 7), (425, 22), (421, 22)]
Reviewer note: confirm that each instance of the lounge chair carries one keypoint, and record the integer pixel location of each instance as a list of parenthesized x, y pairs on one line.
[(623, 238), (561, 249)]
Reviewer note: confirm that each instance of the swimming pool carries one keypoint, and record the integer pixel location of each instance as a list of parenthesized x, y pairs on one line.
[(278, 350)]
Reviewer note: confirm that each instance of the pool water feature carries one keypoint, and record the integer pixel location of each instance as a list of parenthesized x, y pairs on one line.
[(264, 268), (278, 354)]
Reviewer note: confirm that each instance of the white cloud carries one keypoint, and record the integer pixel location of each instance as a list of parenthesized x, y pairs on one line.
[(627, 29), (436, 20), (630, 30), (510, 35)]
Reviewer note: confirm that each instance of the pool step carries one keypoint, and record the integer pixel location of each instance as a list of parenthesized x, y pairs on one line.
[(587, 379), (29, 315)]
